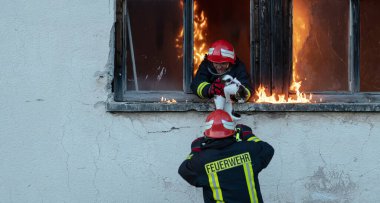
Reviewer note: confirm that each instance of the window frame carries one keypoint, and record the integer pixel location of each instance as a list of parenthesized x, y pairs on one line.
[(121, 94), (270, 62), (277, 48)]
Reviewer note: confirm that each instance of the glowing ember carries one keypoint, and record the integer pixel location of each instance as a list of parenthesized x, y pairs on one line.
[(200, 26), (301, 28), (169, 101)]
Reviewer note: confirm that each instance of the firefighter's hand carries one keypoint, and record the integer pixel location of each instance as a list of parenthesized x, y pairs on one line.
[(216, 88), (245, 132)]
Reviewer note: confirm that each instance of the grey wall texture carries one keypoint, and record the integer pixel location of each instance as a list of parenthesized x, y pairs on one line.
[(58, 144)]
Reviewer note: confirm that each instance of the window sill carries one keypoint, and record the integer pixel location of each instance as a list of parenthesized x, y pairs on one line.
[(151, 102)]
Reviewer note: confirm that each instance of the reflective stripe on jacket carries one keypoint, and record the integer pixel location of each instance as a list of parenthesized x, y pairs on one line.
[(227, 169)]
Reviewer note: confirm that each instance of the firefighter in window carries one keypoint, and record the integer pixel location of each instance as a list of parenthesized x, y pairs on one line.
[(226, 161), (219, 62)]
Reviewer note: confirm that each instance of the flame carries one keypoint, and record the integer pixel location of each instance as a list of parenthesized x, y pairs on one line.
[(301, 28), (169, 101), (200, 26), (179, 39), (264, 98)]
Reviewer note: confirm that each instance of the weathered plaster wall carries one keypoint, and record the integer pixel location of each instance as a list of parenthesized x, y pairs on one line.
[(59, 145)]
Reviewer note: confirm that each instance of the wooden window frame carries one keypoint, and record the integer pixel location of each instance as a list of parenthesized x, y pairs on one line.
[(270, 62)]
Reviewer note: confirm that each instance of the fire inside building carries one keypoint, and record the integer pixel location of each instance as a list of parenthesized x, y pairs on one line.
[(296, 51), (97, 102)]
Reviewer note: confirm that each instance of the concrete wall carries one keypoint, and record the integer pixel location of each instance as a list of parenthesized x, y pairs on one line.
[(58, 144)]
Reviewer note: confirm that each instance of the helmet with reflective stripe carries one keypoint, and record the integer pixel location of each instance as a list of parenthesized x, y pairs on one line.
[(221, 51), (219, 124)]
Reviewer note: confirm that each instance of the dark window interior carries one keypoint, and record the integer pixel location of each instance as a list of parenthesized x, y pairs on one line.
[(154, 27), (369, 45)]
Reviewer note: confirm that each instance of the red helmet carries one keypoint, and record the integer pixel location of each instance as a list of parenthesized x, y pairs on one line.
[(221, 51), (219, 124)]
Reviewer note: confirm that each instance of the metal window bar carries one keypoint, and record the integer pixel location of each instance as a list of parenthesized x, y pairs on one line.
[(131, 49), (253, 41), (117, 81), (354, 47), (120, 73), (188, 43)]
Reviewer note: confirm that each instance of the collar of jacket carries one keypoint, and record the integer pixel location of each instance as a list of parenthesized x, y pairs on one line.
[(218, 143)]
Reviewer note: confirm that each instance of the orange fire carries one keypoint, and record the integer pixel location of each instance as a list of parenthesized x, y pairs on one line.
[(301, 28), (169, 101), (200, 26), (179, 39), (299, 97)]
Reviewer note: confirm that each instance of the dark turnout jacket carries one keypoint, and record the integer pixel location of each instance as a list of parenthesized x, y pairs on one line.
[(227, 169), (206, 75)]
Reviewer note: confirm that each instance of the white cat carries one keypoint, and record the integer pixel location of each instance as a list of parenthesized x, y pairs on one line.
[(231, 87)]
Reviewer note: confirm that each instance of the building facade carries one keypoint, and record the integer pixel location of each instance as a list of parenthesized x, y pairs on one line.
[(64, 138)]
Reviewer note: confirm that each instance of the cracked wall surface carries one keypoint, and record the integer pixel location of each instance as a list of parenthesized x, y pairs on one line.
[(58, 144)]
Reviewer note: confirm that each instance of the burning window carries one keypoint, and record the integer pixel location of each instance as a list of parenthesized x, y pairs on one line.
[(294, 49), (155, 38), (320, 44)]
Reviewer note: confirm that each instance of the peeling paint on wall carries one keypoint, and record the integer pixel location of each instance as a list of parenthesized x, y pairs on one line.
[(333, 186), (109, 67)]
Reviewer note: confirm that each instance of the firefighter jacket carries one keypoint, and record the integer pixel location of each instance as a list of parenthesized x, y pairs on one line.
[(227, 169), (206, 75)]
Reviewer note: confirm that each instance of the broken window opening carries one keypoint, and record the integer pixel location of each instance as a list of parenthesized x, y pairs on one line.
[(320, 45), (329, 46), (160, 44), (152, 32), (327, 59)]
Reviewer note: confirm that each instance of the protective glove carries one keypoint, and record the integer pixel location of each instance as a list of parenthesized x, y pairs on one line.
[(242, 94), (216, 88), (245, 132)]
